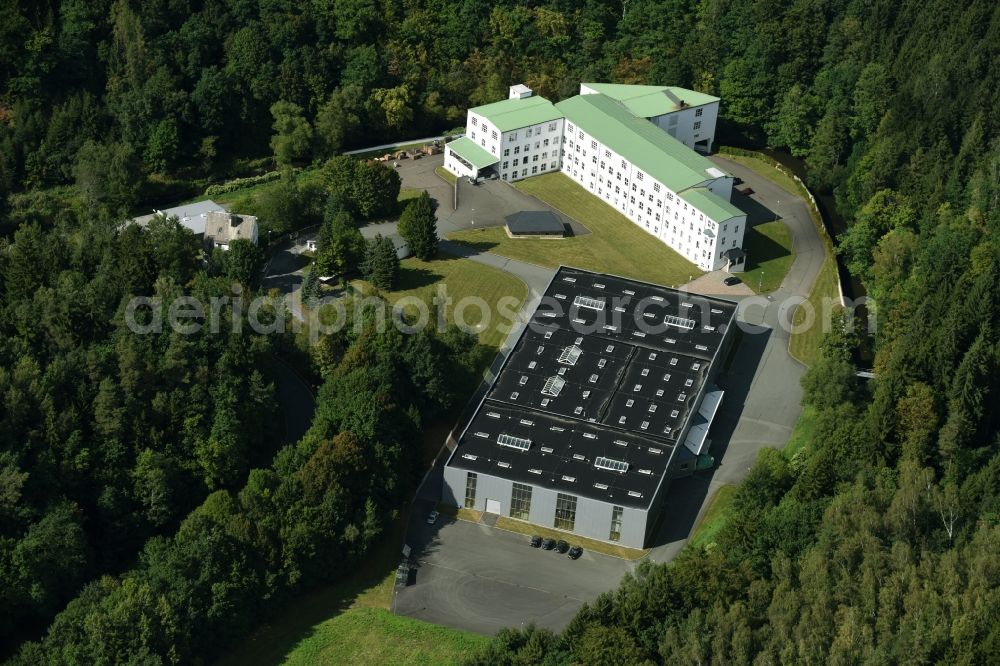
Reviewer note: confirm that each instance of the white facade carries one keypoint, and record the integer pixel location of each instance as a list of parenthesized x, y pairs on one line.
[(523, 152), (556, 144), (692, 126), (654, 207), (457, 165)]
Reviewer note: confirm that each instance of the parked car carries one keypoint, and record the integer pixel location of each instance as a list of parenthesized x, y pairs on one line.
[(536, 541), (548, 544), (562, 546), (432, 517), (575, 552), (731, 280)]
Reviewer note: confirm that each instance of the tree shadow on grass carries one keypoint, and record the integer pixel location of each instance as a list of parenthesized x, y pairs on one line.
[(762, 249), (465, 248), (415, 278)]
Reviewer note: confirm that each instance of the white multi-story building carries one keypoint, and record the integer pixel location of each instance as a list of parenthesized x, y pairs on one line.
[(632, 146), (518, 137), (687, 115)]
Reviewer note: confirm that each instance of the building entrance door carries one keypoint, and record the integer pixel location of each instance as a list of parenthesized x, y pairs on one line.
[(493, 506)]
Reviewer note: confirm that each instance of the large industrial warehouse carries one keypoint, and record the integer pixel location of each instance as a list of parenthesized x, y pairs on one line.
[(607, 395)]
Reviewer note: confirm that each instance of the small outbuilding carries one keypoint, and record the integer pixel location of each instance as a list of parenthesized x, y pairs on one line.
[(535, 224), (736, 259)]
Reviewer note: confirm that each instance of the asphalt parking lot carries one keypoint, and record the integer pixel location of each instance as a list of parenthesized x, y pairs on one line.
[(483, 579)]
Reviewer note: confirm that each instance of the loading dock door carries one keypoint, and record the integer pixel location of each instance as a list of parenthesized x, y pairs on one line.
[(493, 506)]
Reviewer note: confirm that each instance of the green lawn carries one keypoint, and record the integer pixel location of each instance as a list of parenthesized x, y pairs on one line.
[(462, 278), (615, 245), (805, 345), (769, 245), (802, 433), (445, 174), (714, 518), (376, 636)]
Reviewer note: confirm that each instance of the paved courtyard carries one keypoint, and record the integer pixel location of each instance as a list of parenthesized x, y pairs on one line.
[(483, 579)]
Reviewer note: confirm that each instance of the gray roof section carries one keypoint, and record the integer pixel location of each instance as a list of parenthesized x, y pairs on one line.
[(191, 215)]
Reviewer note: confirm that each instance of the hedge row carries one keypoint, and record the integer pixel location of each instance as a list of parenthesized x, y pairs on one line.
[(240, 183)]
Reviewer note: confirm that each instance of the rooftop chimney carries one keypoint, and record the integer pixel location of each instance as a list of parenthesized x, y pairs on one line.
[(674, 98)]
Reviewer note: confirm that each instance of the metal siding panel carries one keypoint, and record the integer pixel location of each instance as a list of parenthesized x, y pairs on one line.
[(543, 506), (633, 528), (493, 487), (453, 488)]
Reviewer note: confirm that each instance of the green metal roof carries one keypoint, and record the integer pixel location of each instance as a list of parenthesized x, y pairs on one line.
[(711, 204), (650, 101), (639, 141), (512, 114), (472, 153)]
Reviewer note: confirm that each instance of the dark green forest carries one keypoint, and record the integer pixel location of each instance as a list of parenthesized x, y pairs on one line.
[(149, 513)]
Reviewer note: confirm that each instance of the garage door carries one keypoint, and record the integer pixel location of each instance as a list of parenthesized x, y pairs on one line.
[(493, 506)]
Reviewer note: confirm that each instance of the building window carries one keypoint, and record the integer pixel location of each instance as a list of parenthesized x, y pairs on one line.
[(520, 501), (697, 124), (565, 512), (474, 121), (513, 136), (504, 167), (552, 127), (470, 490), (517, 149), (543, 167), (697, 113), (534, 169), (656, 187), (639, 176), (607, 154), (473, 136)]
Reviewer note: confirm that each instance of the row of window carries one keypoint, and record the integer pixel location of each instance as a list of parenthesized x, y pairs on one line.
[(538, 144), (520, 507)]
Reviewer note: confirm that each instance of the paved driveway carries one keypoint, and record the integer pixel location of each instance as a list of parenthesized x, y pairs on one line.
[(483, 579), (763, 391)]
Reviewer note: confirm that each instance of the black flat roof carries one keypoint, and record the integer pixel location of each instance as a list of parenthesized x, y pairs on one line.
[(606, 368), (534, 222)]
